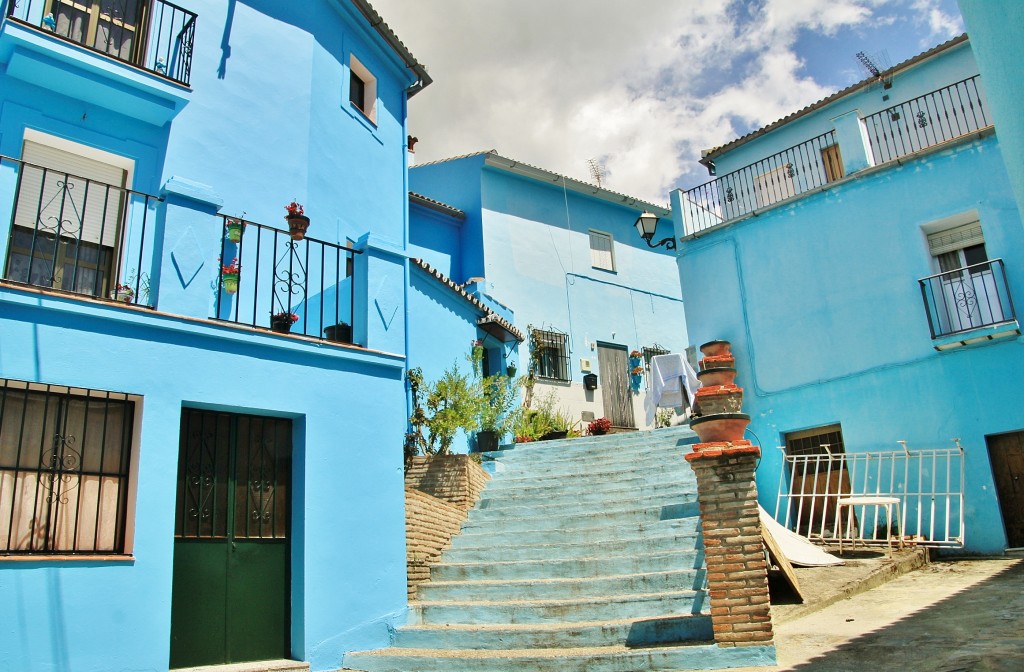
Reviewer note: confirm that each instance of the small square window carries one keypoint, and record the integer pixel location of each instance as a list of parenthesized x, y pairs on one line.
[(362, 89), (550, 353), (602, 252)]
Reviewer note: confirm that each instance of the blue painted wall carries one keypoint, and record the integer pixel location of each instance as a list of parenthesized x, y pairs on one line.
[(436, 238), (821, 302), (534, 252), (267, 120), (997, 31)]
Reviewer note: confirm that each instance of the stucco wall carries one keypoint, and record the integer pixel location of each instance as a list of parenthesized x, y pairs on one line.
[(821, 301)]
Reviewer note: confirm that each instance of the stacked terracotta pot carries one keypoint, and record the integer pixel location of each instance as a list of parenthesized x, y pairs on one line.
[(717, 418)]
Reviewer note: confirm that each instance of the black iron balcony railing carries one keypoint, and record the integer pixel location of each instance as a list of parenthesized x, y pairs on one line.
[(79, 235), (967, 298), (790, 172), (270, 280), (927, 120), (152, 34)]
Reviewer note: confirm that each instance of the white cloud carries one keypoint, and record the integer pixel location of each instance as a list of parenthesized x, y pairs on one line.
[(641, 86)]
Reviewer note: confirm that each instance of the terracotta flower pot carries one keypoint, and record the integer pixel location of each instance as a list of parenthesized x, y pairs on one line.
[(718, 376), (718, 399), (717, 362), (720, 427), (297, 225), (712, 348)]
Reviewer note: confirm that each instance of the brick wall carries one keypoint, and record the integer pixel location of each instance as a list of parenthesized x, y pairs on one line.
[(734, 555), (456, 479), (439, 492)]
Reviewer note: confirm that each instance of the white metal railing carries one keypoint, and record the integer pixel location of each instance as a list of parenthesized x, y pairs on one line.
[(928, 483)]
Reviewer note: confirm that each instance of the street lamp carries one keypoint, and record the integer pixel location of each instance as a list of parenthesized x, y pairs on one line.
[(646, 225)]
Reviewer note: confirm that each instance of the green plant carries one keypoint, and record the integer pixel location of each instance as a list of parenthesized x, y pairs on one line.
[(532, 423), (663, 417), (498, 406), (599, 427), (452, 405)]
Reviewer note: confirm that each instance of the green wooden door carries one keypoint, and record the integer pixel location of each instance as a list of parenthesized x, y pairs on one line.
[(230, 598)]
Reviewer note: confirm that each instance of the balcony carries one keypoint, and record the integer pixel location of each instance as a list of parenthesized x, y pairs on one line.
[(79, 235), (269, 280), (935, 118), (972, 299), (154, 35)]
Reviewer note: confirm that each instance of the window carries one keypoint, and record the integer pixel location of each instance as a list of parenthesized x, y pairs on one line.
[(109, 26), (550, 352), (362, 89), (65, 458), (650, 351), (602, 254), (67, 220), (966, 293), (814, 441)]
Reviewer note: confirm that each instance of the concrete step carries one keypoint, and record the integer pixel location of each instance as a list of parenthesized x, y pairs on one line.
[(477, 538), (627, 484), (562, 589), (590, 469), (596, 445), (648, 455), (577, 546), (581, 609), (595, 659), (667, 629), (506, 523), (533, 508), (568, 568)]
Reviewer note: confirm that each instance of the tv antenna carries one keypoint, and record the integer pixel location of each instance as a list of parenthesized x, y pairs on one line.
[(878, 65), (597, 172)]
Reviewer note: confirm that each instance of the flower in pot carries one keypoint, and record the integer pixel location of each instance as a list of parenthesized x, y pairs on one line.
[(229, 276), (122, 293), (510, 369), (297, 220), (235, 229), (599, 427), (282, 322)]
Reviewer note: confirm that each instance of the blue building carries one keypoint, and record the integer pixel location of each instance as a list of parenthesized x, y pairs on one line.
[(863, 255), (562, 261), (201, 407)]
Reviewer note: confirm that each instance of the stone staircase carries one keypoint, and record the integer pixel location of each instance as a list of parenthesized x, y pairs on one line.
[(582, 554)]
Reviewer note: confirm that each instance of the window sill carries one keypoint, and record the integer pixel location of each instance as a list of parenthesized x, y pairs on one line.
[(125, 559), (353, 111)]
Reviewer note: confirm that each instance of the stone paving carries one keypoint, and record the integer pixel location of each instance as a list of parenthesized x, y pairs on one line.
[(948, 616)]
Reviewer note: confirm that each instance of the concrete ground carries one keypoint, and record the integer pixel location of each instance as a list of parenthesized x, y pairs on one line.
[(947, 616)]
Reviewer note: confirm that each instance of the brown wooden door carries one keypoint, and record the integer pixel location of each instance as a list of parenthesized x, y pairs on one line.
[(614, 368), (1006, 454)]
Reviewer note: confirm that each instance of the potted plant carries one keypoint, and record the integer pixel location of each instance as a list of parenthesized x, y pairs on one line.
[(497, 412), (297, 220), (122, 293), (636, 377), (599, 427), (282, 322), (229, 276), (510, 369), (339, 333), (235, 229)]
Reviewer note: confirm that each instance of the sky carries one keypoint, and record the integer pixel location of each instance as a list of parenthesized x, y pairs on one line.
[(638, 87)]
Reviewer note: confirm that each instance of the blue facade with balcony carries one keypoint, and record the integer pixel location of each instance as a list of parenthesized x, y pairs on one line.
[(201, 411), (564, 258), (863, 256)]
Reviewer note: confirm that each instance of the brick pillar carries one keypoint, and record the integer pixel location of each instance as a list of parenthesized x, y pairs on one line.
[(737, 573)]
